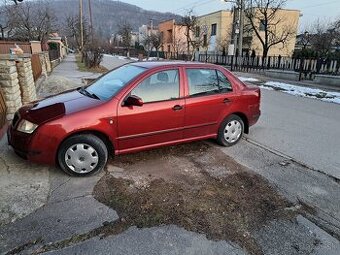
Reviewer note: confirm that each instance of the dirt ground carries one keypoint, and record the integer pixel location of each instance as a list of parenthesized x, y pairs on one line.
[(194, 186)]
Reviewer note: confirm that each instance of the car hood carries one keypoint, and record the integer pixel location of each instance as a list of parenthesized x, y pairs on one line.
[(57, 106)]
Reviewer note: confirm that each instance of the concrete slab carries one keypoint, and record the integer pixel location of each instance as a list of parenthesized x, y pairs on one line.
[(65, 187), (55, 222), (297, 183), (24, 186), (169, 240)]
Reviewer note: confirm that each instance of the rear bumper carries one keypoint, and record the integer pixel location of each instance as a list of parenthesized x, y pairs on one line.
[(254, 118)]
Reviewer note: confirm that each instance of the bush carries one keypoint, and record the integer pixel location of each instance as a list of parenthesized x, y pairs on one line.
[(93, 56)]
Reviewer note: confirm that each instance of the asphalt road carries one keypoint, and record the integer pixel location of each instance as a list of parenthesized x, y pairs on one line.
[(307, 130)]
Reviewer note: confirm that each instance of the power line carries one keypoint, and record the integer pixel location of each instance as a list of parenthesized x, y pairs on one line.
[(312, 6), (194, 4)]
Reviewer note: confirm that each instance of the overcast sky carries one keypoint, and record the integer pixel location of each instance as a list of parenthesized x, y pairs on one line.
[(311, 9)]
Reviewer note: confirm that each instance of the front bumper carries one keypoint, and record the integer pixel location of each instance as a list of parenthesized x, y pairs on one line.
[(21, 144)]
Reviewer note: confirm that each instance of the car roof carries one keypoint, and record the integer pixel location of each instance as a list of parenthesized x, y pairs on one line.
[(153, 64)]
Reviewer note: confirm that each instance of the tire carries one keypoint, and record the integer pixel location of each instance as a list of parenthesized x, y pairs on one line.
[(231, 131), (82, 155)]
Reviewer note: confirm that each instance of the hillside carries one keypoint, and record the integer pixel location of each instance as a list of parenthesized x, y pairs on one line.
[(108, 14)]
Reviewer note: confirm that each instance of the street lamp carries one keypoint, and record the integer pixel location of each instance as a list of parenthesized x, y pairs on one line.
[(240, 6)]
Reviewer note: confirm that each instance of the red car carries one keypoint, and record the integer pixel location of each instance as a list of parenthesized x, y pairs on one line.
[(135, 107)]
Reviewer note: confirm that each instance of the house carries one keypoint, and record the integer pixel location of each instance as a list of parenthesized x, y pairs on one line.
[(174, 40), (285, 20), (219, 28), (216, 28), (144, 31)]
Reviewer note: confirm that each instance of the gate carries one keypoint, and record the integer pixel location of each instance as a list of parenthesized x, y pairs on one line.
[(3, 110), (36, 66)]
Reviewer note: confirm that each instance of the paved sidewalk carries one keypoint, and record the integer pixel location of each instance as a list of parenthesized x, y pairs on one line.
[(64, 76)]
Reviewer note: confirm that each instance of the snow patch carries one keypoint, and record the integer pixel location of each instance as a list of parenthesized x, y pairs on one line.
[(319, 94), (250, 79)]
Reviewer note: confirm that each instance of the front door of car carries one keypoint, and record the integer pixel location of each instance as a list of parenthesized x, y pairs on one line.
[(160, 119), (210, 95)]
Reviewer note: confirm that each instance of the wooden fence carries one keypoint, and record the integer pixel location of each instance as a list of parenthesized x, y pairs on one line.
[(36, 66), (3, 110), (5, 46), (306, 66)]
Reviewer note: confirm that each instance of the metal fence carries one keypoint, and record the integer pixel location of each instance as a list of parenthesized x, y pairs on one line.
[(305, 66), (177, 56)]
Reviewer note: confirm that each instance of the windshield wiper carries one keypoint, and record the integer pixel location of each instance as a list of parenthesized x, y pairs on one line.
[(83, 91)]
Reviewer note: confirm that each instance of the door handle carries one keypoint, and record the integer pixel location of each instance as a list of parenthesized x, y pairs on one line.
[(177, 107), (226, 101)]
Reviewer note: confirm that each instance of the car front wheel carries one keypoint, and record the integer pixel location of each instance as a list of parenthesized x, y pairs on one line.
[(230, 131), (82, 155)]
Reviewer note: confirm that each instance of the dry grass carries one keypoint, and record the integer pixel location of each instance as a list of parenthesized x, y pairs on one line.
[(83, 68)]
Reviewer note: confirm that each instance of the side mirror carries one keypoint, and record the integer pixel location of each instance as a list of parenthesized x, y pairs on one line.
[(134, 100)]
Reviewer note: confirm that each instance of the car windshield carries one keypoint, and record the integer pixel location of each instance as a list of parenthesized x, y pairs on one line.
[(109, 84)]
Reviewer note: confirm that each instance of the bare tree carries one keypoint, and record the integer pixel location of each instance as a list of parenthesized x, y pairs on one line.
[(71, 29), (195, 35), (31, 23), (156, 42), (147, 43), (125, 33), (177, 43), (325, 36), (269, 27)]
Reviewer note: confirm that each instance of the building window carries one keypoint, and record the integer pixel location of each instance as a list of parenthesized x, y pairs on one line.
[(198, 31), (205, 40), (213, 29), (262, 25)]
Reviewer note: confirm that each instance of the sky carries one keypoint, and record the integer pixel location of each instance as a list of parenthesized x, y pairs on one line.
[(325, 10)]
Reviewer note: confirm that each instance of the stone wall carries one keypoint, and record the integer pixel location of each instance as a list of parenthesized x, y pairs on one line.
[(43, 64), (17, 82), (10, 86), (47, 62), (26, 81)]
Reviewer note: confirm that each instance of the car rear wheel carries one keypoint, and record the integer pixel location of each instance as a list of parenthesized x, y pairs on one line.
[(82, 155), (230, 131)]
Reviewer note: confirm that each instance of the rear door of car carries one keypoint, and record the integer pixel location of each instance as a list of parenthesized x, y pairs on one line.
[(209, 95), (161, 118)]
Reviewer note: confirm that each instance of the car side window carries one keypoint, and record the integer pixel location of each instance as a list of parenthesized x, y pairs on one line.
[(207, 82), (160, 86), (202, 82), (224, 83)]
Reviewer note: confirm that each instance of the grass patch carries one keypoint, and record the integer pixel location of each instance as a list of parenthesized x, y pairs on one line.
[(83, 68)]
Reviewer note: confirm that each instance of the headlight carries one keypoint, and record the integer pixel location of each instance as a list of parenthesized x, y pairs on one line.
[(26, 126)]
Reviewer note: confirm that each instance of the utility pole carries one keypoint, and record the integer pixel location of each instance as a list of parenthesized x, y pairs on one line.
[(91, 21), (238, 28), (81, 25), (240, 40)]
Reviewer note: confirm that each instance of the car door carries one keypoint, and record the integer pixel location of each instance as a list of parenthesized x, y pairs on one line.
[(208, 99), (160, 119)]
